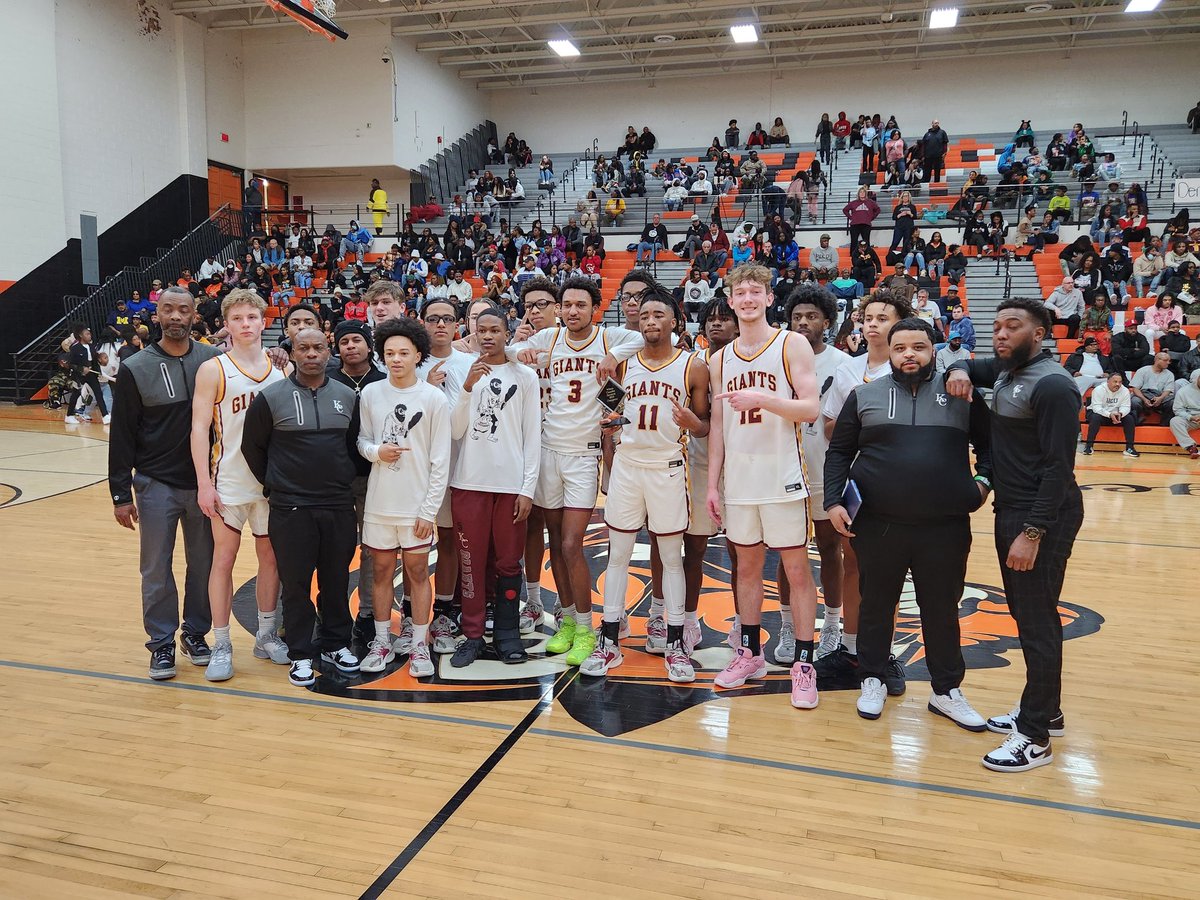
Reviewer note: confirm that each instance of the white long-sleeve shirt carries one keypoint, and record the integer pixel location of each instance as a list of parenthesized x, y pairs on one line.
[(416, 418), (497, 426), (1105, 402)]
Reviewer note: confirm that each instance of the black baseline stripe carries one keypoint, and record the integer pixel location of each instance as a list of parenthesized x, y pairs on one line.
[(443, 815)]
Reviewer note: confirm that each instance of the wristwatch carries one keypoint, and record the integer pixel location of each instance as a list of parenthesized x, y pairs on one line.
[(1034, 533)]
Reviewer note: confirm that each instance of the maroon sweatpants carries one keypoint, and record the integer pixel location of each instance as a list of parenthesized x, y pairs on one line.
[(484, 522)]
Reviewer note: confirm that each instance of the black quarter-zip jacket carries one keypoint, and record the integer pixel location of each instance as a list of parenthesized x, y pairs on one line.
[(907, 453), (300, 443), (152, 419)]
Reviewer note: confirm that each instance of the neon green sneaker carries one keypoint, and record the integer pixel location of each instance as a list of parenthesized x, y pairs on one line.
[(582, 647), (564, 638)]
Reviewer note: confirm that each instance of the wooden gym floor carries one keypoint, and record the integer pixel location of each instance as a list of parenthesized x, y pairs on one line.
[(485, 786)]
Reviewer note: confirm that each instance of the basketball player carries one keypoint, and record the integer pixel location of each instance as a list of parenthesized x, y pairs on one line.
[(405, 432), (580, 357), (385, 301), (228, 492), (881, 310), (719, 326), (497, 420), (767, 386), (444, 368), (666, 400), (811, 311), (539, 296)]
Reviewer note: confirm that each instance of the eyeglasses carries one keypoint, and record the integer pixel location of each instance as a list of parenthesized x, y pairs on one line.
[(440, 320), (626, 297), (540, 304)]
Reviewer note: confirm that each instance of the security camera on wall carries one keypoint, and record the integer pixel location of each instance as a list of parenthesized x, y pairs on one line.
[(386, 56)]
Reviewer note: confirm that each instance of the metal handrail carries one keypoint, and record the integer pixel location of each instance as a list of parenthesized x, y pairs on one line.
[(1124, 125)]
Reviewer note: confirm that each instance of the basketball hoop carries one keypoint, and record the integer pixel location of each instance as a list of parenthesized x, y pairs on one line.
[(314, 15)]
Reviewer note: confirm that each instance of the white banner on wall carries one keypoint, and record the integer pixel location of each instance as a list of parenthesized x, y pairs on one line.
[(1187, 191)]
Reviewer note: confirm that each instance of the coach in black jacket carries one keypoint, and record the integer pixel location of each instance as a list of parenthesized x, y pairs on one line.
[(904, 442), (298, 441)]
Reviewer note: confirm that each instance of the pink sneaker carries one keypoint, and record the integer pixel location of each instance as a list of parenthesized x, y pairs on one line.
[(734, 640), (741, 668), (804, 686), (692, 636)]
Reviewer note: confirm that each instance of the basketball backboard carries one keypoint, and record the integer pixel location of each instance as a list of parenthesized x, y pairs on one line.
[(315, 15)]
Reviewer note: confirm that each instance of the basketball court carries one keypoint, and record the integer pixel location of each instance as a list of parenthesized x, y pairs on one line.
[(522, 781)]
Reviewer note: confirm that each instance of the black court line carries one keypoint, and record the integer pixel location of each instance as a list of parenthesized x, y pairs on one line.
[(389, 710), (443, 815)]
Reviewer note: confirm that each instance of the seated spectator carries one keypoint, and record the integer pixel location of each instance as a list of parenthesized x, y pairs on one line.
[(701, 187), (778, 134), (591, 264), (1115, 272), (924, 308), (1098, 323), (707, 263), (614, 208), (1089, 366), (952, 352), (1177, 343), (841, 131), (720, 243), (654, 238), (1111, 405), (846, 289), (1134, 225), (120, 321), (733, 135), (1088, 277), (675, 196), (1060, 204), (866, 265), (914, 251), (697, 291), (1153, 388), (696, 234), (1186, 415), (754, 172), (459, 289), (743, 250), (901, 282), (527, 270), (823, 260), (356, 241), (630, 143), (210, 267), (273, 256), (1109, 168), (647, 141), (714, 150), (1159, 317), (1148, 267), (758, 137), (1185, 280), (1066, 304)]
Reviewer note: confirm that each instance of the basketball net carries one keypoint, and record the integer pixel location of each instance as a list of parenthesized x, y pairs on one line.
[(322, 9)]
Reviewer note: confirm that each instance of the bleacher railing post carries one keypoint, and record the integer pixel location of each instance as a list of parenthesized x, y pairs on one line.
[(1124, 125)]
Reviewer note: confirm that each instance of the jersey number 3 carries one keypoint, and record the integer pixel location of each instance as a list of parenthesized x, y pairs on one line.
[(574, 390)]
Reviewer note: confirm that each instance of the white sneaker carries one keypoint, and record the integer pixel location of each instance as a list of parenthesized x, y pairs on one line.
[(557, 612), (623, 628), (531, 617), (679, 665), (656, 635), (220, 664), (692, 636), (831, 637), (301, 673), (419, 663), (872, 696), (379, 654), (734, 640), (954, 706), (71, 420), (785, 648), (1006, 723), (606, 656), (343, 660), (267, 645), (443, 635), (403, 644), (106, 419), (1018, 754)]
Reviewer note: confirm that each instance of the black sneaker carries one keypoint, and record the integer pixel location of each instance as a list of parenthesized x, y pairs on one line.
[(837, 670), (467, 652), (194, 648), (361, 636), (893, 677), (162, 662), (1086, 451)]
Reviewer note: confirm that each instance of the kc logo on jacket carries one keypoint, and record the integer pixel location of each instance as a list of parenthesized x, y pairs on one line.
[(638, 693)]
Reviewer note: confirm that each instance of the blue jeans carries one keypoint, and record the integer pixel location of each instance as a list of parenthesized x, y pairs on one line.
[(1116, 289), (545, 176), (349, 246), (1140, 280), (303, 280), (647, 247), (920, 260), (939, 266), (673, 205)]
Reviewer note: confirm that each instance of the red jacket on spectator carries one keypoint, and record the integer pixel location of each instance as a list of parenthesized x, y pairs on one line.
[(720, 241), (841, 128), (590, 265), (356, 310)]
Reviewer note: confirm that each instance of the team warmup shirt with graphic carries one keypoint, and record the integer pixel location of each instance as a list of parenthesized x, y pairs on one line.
[(763, 459), (850, 374), (234, 481), (571, 425), (652, 438), (828, 362), (497, 426), (417, 419)]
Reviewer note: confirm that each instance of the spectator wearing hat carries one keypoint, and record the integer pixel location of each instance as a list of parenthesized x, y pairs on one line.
[(208, 269), (355, 309), (416, 271), (1066, 306), (823, 260), (356, 241), (695, 235), (1111, 404), (1130, 350), (1089, 366), (952, 351)]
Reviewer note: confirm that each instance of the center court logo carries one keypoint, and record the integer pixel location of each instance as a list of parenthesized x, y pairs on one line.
[(638, 693)]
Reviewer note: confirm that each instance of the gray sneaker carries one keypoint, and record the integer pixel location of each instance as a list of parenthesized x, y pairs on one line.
[(268, 645), (831, 637), (220, 666), (785, 648)]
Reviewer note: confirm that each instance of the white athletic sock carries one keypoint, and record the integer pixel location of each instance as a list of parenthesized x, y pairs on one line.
[(266, 621), (382, 631), (533, 591), (584, 619), (692, 616), (420, 633), (221, 635), (657, 604), (616, 577), (443, 598), (850, 642), (833, 615), (670, 549)]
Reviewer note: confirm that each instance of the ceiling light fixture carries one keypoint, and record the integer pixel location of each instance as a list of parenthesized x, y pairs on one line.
[(743, 34), (1137, 6), (947, 17), (563, 48)]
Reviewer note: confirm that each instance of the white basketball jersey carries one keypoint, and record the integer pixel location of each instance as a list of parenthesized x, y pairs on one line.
[(234, 480), (763, 459), (572, 420), (652, 438), (698, 447), (828, 361)]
